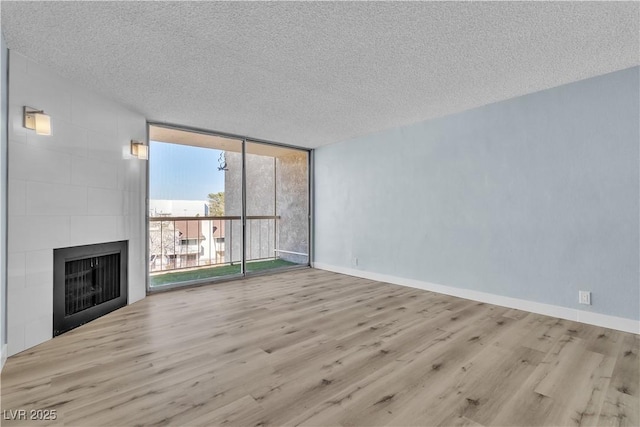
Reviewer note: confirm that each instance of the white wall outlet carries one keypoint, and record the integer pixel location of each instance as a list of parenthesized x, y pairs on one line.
[(355, 261), (584, 297)]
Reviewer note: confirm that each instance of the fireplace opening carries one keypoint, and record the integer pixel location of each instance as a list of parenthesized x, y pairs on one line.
[(89, 281)]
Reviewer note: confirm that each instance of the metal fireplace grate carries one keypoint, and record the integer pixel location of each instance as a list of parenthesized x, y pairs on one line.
[(89, 281)]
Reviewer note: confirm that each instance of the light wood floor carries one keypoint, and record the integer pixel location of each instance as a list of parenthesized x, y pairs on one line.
[(315, 348)]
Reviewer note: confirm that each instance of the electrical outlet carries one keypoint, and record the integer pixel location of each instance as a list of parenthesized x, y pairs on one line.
[(355, 261), (584, 297)]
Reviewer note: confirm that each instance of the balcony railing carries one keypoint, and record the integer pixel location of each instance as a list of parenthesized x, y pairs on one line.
[(178, 243)]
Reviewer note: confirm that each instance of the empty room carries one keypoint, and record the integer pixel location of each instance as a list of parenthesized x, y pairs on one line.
[(320, 213)]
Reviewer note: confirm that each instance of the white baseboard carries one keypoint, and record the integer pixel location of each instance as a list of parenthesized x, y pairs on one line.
[(597, 319)]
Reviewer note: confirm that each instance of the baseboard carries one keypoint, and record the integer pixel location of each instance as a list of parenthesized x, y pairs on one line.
[(3, 356), (597, 319)]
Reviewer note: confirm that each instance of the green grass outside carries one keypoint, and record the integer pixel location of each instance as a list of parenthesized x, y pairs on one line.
[(212, 272)]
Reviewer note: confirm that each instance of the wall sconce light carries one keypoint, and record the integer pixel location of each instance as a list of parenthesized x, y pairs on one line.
[(139, 150), (37, 120)]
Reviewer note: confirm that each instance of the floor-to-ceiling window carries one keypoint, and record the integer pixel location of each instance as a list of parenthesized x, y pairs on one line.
[(223, 207), (277, 205)]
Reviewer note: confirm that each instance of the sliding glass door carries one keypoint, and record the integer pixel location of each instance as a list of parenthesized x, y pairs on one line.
[(222, 207)]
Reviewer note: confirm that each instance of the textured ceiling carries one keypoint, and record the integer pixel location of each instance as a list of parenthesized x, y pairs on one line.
[(310, 74)]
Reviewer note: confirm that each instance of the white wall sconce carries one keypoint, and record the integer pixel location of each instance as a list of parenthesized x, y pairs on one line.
[(37, 120), (139, 150)]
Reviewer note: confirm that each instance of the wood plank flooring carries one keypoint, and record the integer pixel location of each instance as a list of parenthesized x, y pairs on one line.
[(315, 348)]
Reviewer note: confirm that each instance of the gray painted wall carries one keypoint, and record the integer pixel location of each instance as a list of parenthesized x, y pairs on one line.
[(533, 198)]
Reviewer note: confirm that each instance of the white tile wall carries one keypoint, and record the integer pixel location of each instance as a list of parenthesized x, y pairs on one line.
[(100, 146), (99, 115), (51, 95), (19, 64), (65, 138), (98, 173), (16, 312), (17, 133), (104, 201), (15, 334), (33, 163), (79, 186), (40, 299), (39, 268), (123, 225), (16, 270), (90, 229), (55, 199), (17, 190), (34, 232), (37, 330)]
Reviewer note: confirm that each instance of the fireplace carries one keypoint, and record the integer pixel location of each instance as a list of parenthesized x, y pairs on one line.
[(88, 282)]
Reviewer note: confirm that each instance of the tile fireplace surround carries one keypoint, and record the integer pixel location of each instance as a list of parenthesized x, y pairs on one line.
[(78, 186)]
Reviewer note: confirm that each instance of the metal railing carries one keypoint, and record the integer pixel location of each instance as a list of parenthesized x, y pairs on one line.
[(178, 243)]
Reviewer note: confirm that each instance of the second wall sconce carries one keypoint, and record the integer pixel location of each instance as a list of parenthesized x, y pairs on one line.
[(37, 120), (139, 150)]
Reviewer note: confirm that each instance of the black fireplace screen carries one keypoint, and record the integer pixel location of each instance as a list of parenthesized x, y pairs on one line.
[(89, 281)]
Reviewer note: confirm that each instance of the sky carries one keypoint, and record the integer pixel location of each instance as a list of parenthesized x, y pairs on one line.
[(182, 172)]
